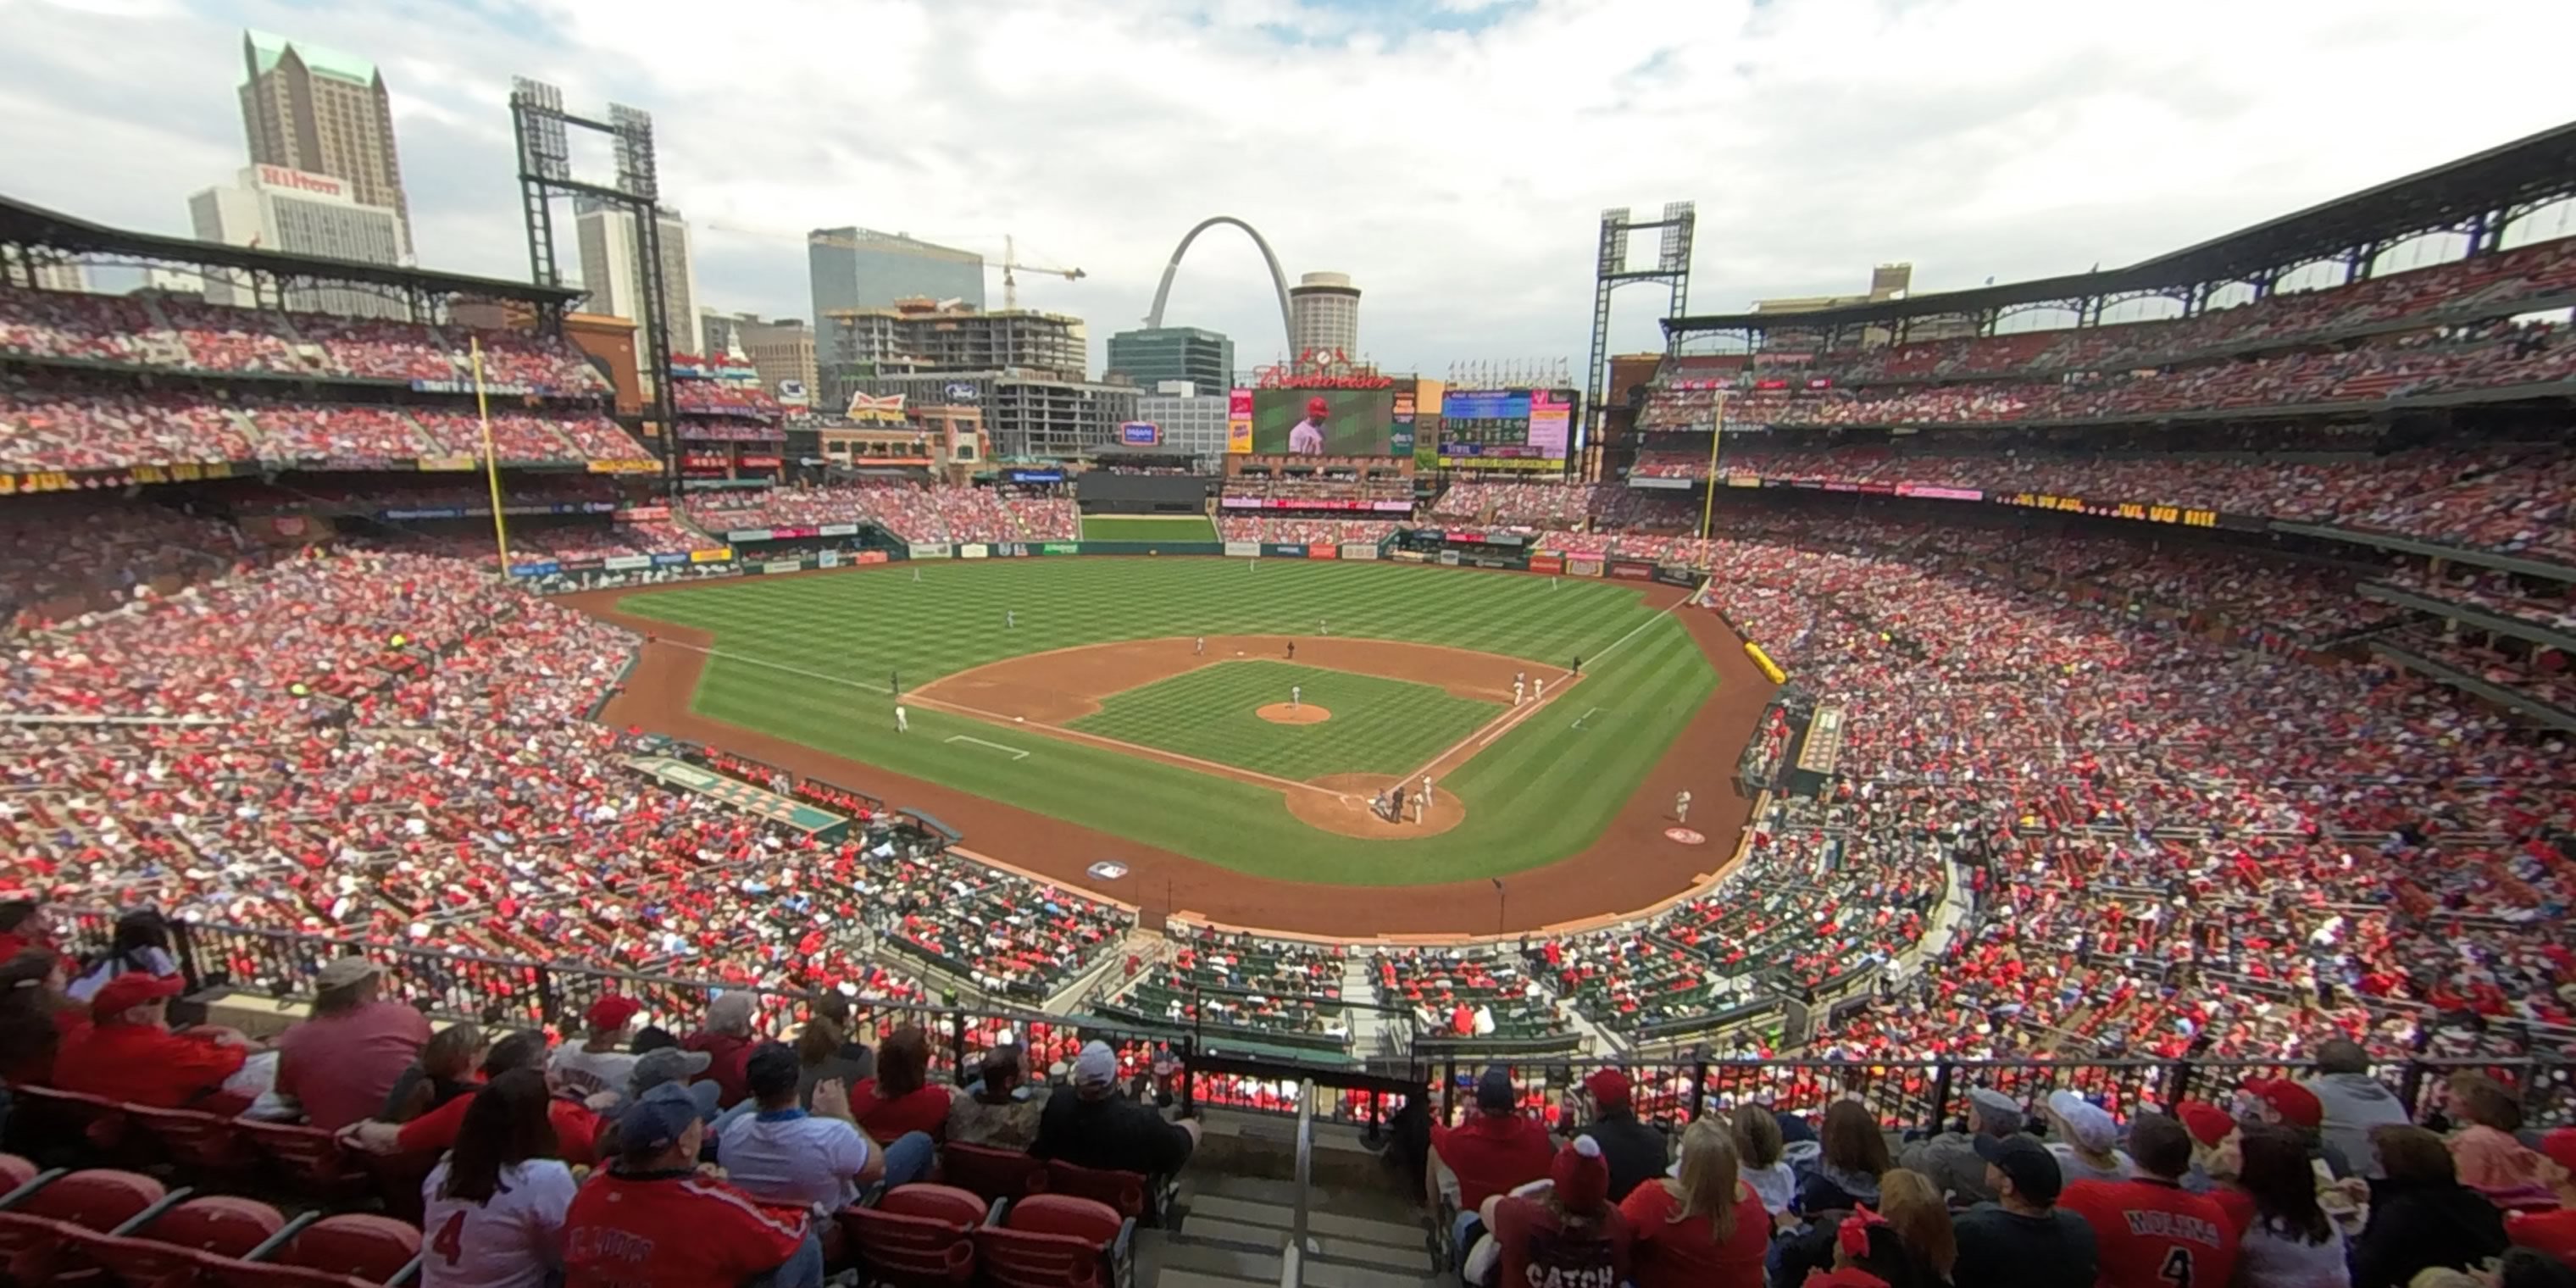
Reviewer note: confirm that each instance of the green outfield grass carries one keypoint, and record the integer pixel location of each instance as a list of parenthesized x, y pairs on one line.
[(1379, 726), (1176, 528), (811, 659)]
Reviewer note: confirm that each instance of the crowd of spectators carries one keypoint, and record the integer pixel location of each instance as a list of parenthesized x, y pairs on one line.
[(78, 424), (64, 555), (1553, 504), (175, 332), (913, 511), (1288, 531), (1218, 978)]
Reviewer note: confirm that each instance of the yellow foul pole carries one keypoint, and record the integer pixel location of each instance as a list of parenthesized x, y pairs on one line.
[(491, 463), (1708, 498)]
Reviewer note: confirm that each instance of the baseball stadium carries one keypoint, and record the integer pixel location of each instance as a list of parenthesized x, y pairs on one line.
[(1893, 704)]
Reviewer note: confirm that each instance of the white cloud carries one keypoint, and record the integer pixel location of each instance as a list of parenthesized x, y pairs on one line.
[(1455, 170)]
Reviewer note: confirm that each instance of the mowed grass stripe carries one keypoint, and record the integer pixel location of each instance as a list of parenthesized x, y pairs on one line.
[(1144, 529), (1534, 795), (1378, 726)]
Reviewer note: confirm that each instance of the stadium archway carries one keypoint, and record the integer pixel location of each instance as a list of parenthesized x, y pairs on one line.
[(1279, 280)]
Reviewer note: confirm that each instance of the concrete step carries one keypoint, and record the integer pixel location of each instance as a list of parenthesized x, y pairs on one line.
[(1213, 1207), (1166, 1261)]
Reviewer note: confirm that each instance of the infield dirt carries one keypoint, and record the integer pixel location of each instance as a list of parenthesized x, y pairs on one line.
[(1631, 866)]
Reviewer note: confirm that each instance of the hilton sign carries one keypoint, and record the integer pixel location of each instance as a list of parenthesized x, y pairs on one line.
[(278, 176)]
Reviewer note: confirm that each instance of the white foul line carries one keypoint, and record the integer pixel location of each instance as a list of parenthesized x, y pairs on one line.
[(1588, 714), (1504, 723), (1015, 753)]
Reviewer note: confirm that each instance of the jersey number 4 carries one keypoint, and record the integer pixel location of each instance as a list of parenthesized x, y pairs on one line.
[(450, 1242), (2177, 1268)]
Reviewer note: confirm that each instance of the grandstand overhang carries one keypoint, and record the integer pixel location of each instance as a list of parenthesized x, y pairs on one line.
[(36, 233), (2478, 195)]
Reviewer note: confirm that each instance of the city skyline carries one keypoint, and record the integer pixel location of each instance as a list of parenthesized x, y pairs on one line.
[(1970, 138)]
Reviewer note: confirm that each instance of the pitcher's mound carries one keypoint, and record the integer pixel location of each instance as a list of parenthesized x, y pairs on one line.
[(1342, 807), (1302, 713)]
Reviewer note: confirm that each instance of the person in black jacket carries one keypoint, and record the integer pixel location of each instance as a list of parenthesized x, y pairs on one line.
[(2420, 1215)]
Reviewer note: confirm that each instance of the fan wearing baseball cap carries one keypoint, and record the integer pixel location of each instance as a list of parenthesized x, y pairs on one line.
[(1636, 1152), (2023, 1239), (340, 1063), (2279, 1100), (2088, 1140), (650, 1220), (129, 1053), (600, 1061), (1494, 1150), (1568, 1235)]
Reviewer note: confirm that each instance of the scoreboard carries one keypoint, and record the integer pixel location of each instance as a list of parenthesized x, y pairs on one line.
[(1509, 429)]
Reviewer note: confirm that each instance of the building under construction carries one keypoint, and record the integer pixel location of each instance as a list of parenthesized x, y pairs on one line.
[(1025, 368)]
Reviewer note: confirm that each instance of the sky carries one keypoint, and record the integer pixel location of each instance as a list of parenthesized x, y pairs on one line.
[(1452, 156)]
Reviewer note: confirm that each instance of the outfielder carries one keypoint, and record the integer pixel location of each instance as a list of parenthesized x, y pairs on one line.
[(1323, 627), (902, 722), (1010, 621), (1681, 805)]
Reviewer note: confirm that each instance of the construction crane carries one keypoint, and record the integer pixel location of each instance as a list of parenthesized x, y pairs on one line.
[(1011, 262)]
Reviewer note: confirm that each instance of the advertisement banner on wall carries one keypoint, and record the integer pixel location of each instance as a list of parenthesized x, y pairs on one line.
[(1632, 571), (973, 550), (869, 557), (838, 530), (669, 560), (1675, 575), (932, 550), (1448, 558), (1276, 550), (1242, 549), (783, 565), (1238, 423), (533, 569), (1359, 550), (1321, 550), (828, 559), (1067, 548), (721, 554), (742, 536), (1547, 563), (1410, 556), (627, 563), (1664, 484), (1582, 567)]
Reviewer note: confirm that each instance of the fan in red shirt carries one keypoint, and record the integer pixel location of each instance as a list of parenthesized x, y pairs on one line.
[(1702, 1227), (130, 1054), (2150, 1233), (727, 1040), (900, 1099), (1496, 1148), (651, 1220)]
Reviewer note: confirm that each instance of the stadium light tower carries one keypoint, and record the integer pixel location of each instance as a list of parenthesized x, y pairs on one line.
[(543, 130), (1611, 271)]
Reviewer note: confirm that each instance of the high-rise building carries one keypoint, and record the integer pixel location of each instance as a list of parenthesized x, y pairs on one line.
[(612, 269), (1022, 367), (1150, 357), (300, 213), (1192, 417), (1324, 317), (319, 111), (781, 351), (859, 268), (1886, 282)]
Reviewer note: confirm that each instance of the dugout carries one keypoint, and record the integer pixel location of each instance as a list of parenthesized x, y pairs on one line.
[(1462, 548)]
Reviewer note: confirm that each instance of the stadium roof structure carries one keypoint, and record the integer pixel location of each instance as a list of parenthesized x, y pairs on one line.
[(24, 226), (2481, 194)]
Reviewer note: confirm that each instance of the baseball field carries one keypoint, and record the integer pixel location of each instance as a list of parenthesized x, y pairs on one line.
[(1249, 716)]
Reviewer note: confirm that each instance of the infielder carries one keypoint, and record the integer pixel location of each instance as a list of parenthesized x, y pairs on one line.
[(1538, 691), (1296, 694), (1201, 650), (1519, 691), (902, 722), (1681, 806)]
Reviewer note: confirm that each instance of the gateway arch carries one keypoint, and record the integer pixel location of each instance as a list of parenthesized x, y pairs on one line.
[(1278, 280)]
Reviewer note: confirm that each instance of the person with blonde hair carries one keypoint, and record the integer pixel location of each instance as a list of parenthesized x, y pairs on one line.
[(1909, 1201), (1758, 1146), (1701, 1226)]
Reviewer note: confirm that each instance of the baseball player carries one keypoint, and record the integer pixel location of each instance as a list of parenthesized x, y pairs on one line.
[(1201, 650), (1323, 627), (1681, 805), (1519, 691), (916, 572), (1010, 621), (902, 722), (1422, 801), (1538, 689), (1292, 650), (1296, 694)]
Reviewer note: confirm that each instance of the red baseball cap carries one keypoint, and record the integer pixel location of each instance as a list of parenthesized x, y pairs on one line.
[(1317, 407), (130, 990), (2560, 1146), (612, 1011), (2206, 1122), (2295, 1104), (1609, 1088)]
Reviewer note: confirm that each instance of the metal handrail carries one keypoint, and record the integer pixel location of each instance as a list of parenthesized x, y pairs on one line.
[(1292, 1262)]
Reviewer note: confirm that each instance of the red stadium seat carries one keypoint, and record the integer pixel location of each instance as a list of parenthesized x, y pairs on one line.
[(376, 1249), (917, 1236), (16, 1171), (196, 1141), (180, 1244), (96, 1119), (49, 1231), (1128, 1193), (312, 1161), (1053, 1241), (989, 1172)]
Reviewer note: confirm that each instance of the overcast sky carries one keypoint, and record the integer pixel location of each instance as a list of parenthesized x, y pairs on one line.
[(1452, 156)]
